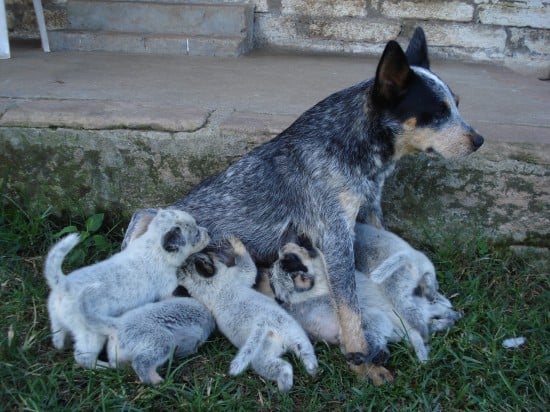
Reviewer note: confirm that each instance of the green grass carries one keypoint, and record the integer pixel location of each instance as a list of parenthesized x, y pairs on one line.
[(502, 295)]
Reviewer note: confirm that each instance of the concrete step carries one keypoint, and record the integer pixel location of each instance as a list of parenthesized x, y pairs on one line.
[(167, 17), (174, 44)]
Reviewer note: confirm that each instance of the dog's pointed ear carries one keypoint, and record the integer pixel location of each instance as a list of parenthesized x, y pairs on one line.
[(138, 225), (392, 75), (417, 51)]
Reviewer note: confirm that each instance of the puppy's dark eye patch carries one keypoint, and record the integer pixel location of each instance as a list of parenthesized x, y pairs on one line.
[(173, 240), (292, 263)]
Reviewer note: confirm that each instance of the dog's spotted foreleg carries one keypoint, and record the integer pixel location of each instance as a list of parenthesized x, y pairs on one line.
[(339, 257)]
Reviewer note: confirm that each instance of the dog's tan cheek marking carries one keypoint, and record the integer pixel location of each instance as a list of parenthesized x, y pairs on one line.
[(449, 142)]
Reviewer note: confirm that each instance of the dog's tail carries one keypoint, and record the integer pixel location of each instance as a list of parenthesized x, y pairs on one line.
[(54, 260), (249, 350)]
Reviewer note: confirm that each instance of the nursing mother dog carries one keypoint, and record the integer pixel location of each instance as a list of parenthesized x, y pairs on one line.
[(327, 169)]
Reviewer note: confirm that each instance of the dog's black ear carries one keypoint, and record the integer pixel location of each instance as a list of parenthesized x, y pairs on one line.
[(291, 262), (417, 51), (392, 75)]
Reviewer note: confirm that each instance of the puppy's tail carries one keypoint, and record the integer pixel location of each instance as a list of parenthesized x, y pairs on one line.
[(249, 350), (54, 260), (388, 267)]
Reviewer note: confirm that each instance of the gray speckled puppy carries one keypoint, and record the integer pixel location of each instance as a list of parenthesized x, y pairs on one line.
[(399, 297), (144, 272), (251, 321), (148, 335)]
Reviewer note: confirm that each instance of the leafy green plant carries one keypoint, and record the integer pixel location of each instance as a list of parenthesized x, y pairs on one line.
[(92, 242)]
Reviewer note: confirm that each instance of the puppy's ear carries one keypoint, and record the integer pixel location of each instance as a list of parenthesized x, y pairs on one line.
[(305, 242), (392, 76), (204, 265), (138, 225), (291, 262), (417, 51)]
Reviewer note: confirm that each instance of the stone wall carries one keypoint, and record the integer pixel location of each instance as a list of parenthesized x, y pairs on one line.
[(514, 33)]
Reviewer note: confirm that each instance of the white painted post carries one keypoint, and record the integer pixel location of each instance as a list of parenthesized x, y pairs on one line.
[(4, 41), (41, 24)]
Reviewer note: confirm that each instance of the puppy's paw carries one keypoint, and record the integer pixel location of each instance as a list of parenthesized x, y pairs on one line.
[(311, 364), (285, 379)]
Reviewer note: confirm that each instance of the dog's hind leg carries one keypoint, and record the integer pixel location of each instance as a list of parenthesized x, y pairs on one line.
[(250, 349), (303, 349), (146, 364), (59, 333), (87, 347), (270, 366)]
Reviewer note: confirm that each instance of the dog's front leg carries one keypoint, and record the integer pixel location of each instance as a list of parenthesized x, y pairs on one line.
[(338, 250)]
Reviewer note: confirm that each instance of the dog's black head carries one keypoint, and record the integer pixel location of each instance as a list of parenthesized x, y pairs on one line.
[(417, 105)]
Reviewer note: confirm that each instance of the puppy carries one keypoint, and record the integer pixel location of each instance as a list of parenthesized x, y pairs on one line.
[(327, 170), (254, 323), (298, 279), (144, 272), (146, 336), (406, 277)]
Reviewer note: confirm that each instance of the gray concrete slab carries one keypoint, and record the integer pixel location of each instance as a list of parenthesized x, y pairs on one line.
[(502, 105)]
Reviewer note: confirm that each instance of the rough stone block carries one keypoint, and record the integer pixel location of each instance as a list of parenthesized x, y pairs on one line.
[(91, 114), (527, 14), (465, 35), (369, 30), (537, 41), (332, 8), (428, 10)]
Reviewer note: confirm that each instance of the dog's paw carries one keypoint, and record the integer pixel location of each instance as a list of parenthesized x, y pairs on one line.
[(378, 375), (356, 358)]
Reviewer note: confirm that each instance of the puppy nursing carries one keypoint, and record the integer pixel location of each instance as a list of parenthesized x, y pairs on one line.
[(148, 335), (398, 298), (254, 323), (144, 272)]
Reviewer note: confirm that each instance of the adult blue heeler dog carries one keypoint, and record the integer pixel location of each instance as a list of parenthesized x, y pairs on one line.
[(327, 170)]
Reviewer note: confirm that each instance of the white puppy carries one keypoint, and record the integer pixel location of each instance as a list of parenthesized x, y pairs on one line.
[(146, 336), (396, 300), (251, 321), (144, 272)]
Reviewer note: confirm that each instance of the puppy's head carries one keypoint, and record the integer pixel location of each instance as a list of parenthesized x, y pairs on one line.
[(197, 271), (297, 262), (419, 108), (299, 273), (177, 231)]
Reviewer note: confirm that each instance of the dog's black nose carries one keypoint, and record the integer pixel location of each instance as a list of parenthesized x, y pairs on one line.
[(477, 141)]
